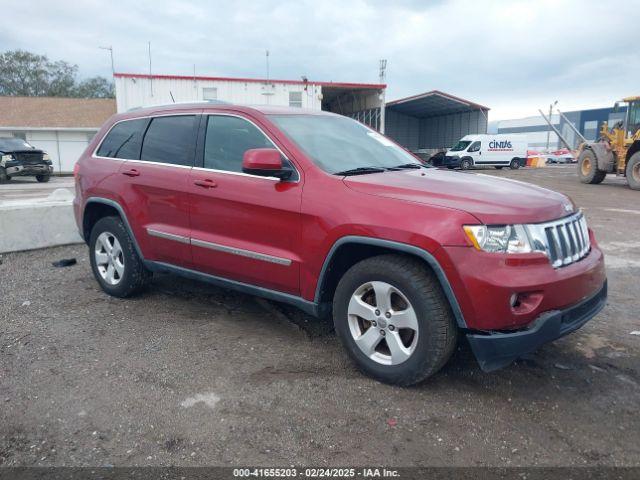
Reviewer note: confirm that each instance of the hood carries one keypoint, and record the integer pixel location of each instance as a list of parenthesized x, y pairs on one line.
[(491, 200)]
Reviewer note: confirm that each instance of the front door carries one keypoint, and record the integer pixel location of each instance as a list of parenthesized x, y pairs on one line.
[(243, 227)]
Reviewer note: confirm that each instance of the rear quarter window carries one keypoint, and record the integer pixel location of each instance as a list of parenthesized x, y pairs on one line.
[(124, 140)]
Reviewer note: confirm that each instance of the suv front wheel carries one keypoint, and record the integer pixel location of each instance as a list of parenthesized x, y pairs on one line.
[(393, 319), (114, 259)]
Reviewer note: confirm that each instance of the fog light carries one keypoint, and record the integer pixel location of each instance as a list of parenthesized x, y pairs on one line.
[(514, 300)]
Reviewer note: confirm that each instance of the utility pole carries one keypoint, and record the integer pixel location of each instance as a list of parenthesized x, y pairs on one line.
[(150, 76), (549, 129), (383, 76), (110, 48), (267, 57)]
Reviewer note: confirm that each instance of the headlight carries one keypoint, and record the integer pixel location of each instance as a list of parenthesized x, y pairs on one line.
[(46, 157), (499, 239), (4, 159)]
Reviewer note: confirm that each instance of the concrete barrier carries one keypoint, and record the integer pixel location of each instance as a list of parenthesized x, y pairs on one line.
[(27, 224)]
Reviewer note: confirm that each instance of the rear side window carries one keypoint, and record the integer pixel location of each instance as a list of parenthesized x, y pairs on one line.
[(226, 141), (123, 140), (170, 140)]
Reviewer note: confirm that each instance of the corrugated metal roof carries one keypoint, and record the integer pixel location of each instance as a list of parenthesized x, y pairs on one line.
[(433, 104), (55, 112)]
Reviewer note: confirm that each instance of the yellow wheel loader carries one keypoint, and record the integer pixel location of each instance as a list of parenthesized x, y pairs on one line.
[(616, 151)]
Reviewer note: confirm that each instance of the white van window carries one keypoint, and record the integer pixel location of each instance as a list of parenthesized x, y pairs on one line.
[(475, 147), (461, 145)]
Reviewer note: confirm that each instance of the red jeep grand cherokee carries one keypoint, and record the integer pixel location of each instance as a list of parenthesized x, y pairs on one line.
[(319, 211)]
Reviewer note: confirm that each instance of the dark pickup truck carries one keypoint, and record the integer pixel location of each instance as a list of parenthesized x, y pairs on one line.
[(18, 158)]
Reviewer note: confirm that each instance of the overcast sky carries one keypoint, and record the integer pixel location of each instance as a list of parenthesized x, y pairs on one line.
[(512, 56)]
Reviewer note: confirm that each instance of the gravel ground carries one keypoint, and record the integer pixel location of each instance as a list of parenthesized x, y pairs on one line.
[(188, 374)]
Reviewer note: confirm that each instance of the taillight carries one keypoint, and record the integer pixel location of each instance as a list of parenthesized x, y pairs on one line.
[(76, 167)]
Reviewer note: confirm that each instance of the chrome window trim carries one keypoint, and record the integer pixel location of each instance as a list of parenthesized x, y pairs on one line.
[(228, 172), (95, 151), (168, 236), (241, 174), (225, 114), (220, 248)]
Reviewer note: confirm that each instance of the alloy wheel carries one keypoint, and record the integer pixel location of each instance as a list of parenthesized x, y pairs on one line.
[(109, 258), (383, 323)]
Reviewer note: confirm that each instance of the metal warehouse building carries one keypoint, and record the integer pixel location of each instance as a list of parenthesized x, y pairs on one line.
[(433, 121)]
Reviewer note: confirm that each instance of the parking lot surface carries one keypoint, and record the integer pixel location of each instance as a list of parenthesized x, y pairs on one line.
[(189, 374), (24, 188)]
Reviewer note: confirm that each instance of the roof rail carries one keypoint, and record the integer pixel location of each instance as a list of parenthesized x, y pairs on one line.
[(187, 102)]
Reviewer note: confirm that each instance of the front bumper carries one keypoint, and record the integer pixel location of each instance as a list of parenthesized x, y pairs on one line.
[(17, 168), (495, 350)]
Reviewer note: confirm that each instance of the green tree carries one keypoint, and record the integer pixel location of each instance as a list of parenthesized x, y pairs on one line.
[(28, 74), (95, 87)]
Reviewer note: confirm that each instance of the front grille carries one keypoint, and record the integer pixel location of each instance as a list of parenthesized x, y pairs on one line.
[(29, 158), (564, 241)]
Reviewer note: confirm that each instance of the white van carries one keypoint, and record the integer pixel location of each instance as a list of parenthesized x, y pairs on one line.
[(487, 150)]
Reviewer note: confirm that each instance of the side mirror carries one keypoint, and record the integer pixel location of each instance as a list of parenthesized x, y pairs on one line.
[(265, 162)]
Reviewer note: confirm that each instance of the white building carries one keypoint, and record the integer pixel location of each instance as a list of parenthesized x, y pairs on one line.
[(357, 100), (62, 127)]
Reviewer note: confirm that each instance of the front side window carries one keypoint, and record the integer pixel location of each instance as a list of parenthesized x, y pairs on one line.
[(226, 140), (461, 145), (475, 147), (170, 140), (123, 140), (336, 143)]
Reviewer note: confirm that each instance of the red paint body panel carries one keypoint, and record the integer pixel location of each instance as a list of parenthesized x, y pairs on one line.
[(268, 221)]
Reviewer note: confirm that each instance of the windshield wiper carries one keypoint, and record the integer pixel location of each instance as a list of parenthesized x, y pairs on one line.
[(408, 165), (361, 171)]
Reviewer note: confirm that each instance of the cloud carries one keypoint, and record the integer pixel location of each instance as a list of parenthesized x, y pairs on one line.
[(513, 56)]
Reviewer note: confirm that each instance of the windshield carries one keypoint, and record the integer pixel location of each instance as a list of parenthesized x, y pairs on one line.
[(461, 145), (337, 144), (11, 144)]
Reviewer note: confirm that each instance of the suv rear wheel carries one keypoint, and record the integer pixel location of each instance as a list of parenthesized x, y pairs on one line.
[(43, 178), (393, 319), (114, 260)]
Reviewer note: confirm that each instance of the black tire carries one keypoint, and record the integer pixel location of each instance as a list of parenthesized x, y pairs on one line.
[(466, 164), (588, 171), (135, 276), (437, 330), (4, 178), (515, 164), (499, 167), (43, 178), (633, 171)]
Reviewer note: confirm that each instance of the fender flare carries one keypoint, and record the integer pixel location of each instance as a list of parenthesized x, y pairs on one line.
[(403, 248), (123, 215)]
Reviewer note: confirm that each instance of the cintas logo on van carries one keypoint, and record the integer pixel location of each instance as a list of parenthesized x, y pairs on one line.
[(500, 146)]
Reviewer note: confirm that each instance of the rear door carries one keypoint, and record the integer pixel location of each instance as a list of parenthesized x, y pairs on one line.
[(243, 227), (156, 186)]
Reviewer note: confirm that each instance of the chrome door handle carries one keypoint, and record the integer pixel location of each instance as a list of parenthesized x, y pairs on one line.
[(131, 173), (205, 183)]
